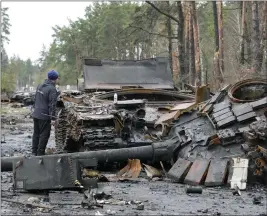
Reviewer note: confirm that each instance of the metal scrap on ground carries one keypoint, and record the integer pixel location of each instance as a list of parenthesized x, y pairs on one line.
[(96, 131)]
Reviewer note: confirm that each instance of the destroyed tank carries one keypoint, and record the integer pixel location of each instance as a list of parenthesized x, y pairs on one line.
[(90, 119)]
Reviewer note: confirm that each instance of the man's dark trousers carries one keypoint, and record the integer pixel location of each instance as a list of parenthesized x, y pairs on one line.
[(41, 135)]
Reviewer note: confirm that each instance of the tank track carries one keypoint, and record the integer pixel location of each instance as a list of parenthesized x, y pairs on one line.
[(70, 131), (61, 131), (99, 138)]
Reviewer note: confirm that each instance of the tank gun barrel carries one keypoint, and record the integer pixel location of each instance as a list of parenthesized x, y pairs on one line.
[(161, 151)]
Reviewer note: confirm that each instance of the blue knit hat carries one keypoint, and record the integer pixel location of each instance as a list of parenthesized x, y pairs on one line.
[(52, 75)]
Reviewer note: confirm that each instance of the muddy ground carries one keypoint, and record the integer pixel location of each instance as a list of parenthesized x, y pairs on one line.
[(158, 197)]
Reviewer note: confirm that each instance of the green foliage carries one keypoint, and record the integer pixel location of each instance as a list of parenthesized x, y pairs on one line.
[(108, 31), (18, 73), (5, 24)]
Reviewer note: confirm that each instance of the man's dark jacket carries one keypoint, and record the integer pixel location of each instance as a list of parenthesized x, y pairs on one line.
[(45, 101)]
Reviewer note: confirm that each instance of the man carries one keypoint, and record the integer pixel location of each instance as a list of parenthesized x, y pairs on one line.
[(44, 112)]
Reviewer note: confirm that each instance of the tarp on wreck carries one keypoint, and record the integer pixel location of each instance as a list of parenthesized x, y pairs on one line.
[(113, 74)]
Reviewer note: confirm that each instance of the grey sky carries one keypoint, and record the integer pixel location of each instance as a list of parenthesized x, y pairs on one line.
[(32, 24)]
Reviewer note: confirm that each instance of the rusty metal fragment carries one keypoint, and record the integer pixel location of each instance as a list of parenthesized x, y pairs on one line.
[(197, 172), (151, 171), (179, 170), (217, 173), (131, 170)]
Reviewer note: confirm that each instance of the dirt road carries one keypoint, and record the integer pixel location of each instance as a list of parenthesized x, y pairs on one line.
[(157, 197)]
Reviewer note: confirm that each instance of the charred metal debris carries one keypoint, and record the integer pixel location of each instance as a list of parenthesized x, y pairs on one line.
[(19, 98), (221, 141), (195, 138)]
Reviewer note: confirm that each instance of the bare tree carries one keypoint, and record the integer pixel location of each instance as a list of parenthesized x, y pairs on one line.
[(256, 48), (220, 28), (264, 35), (249, 31), (169, 26), (215, 17), (192, 68), (196, 42), (218, 78), (180, 33), (186, 41), (243, 33)]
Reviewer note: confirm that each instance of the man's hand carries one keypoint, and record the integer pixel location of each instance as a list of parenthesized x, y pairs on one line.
[(54, 123)]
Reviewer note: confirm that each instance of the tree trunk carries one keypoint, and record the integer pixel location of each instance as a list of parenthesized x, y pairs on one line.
[(256, 48), (131, 51), (78, 58), (169, 35), (220, 27), (216, 65), (142, 51), (217, 75), (243, 33), (264, 36), (180, 33), (248, 31), (192, 69), (138, 51), (215, 16), (197, 48), (186, 41)]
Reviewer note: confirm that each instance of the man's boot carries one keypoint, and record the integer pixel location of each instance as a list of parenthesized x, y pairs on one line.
[(41, 152)]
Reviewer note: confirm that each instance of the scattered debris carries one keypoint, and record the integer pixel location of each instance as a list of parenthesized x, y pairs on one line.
[(17, 105), (131, 170), (151, 171), (197, 190), (257, 200), (110, 212), (29, 205), (197, 172), (3, 138), (102, 195), (140, 206), (217, 173), (206, 146), (34, 200), (237, 192), (89, 200), (98, 213), (240, 171), (179, 170), (65, 198), (90, 173), (205, 211)]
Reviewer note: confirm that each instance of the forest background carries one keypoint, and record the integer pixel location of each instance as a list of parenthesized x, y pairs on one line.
[(206, 42)]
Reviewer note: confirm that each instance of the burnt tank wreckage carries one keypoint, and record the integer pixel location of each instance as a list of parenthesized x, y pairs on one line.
[(119, 105), (134, 104)]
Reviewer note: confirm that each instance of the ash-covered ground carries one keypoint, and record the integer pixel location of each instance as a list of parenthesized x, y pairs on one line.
[(156, 197)]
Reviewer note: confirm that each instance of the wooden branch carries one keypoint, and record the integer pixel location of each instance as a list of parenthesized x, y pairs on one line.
[(238, 8), (162, 12), (152, 33), (122, 38)]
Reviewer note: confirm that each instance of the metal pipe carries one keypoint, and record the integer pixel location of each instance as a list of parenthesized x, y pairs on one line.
[(156, 151), (7, 163)]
